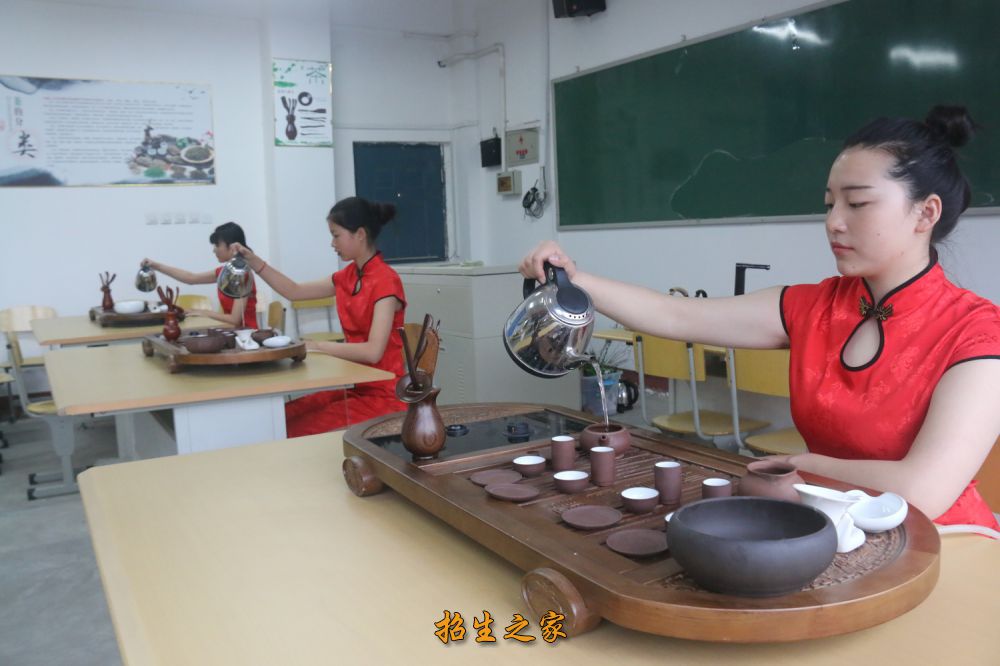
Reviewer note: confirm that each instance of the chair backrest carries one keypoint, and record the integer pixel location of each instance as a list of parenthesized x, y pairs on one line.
[(329, 303), (195, 302), (17, 359), (276, 315), (762, 371), (17, 319), (989, 478), (669, 358)]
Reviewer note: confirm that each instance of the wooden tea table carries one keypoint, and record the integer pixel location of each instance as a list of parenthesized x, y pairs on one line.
[(80, 330), (261, 555), (213, 407)]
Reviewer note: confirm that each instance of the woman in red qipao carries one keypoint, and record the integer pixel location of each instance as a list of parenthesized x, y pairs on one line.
[(239, 312), (370, 304), (895, 371)]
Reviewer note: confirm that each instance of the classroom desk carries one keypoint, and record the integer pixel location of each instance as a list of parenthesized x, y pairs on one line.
[(261, 555), (79, 330), (213, 407)]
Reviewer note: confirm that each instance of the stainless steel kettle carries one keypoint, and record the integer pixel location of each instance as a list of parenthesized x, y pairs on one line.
[(236, 279), (627, 395), (549, 332), (145, 279)]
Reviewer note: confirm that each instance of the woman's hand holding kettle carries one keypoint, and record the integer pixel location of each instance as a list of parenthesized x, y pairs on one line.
[(532, 266), (256, 263)]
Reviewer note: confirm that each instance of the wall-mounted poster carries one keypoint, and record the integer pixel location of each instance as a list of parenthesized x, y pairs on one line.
[(302, 99), (86, 132)]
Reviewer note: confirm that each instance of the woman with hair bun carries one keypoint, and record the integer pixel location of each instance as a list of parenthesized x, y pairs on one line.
[(239, 312), (370, 304), (895, 371)]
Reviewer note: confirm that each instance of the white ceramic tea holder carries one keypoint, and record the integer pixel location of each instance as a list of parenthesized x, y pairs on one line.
[(834, 504), (244, 341), (877, 514)]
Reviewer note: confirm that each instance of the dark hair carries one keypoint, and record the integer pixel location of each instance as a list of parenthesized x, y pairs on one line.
[(925, 157), (354, 213), (228, 233)]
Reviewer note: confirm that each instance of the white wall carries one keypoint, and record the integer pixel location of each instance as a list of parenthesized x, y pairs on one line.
[(58, 239), (695, 257), (387, 86)]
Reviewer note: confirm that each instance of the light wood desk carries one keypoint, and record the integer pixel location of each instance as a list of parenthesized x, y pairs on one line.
[(261, 555), (213, 407), (79, 330)]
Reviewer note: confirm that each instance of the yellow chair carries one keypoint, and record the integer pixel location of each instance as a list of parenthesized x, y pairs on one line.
[(989, 478), (276, 315), (62, 482), (684, 361), (8, 380), (18, 320), (328, 303), (764, 371), (195, 302)]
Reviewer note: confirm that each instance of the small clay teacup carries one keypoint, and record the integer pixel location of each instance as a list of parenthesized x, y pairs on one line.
[(639, 499), (571, 481), (262, 334), (667, 479), (602, 465), (716, 487), (563, 452), (529, 465)]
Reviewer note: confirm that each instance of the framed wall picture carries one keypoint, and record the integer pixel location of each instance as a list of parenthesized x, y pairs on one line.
[(302, 101), (83, 132)]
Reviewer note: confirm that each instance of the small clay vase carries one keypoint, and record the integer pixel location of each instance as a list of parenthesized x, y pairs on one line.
[(614, 435), (771, 478), (171, 330), (423, 430), (107, 304)]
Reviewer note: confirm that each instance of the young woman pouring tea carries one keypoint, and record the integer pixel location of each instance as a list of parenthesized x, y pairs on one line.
[(370, 305), (895, 371), (239, 312)]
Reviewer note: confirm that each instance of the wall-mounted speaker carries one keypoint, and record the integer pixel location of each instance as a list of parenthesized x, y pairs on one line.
[(489, 152), (571, 8)]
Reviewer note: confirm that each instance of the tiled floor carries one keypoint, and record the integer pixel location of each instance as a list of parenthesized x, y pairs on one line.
[(52, 607)]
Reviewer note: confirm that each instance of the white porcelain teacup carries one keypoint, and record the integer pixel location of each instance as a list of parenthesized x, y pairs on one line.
[(243, 334)]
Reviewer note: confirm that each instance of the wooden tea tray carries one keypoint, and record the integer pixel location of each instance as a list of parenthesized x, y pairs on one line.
[(147, 318), (178, 356), (573, 572)]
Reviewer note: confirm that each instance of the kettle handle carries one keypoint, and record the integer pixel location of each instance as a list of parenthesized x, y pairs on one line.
[(551, 273)]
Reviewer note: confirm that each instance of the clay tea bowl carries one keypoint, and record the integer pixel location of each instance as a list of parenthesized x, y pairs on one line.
[(571, 481), (613, 435), (262, 334), (771, 478), (203, 343), (529, 465), (639, 499), (751, 546)]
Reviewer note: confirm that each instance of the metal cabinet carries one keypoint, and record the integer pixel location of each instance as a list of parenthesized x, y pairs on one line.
[(473, 303)]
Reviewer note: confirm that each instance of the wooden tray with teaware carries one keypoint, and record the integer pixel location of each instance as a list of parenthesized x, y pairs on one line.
[(215, 347), (583, 573), (145, 318)]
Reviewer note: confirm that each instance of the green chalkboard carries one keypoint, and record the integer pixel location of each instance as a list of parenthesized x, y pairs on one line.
[(746, 125)]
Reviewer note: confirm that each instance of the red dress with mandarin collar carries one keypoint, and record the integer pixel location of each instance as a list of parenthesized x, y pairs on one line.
[(249, 312), (333, 410), (875, 411)]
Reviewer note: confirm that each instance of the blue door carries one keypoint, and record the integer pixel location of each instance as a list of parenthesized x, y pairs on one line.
[(410, 175)]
